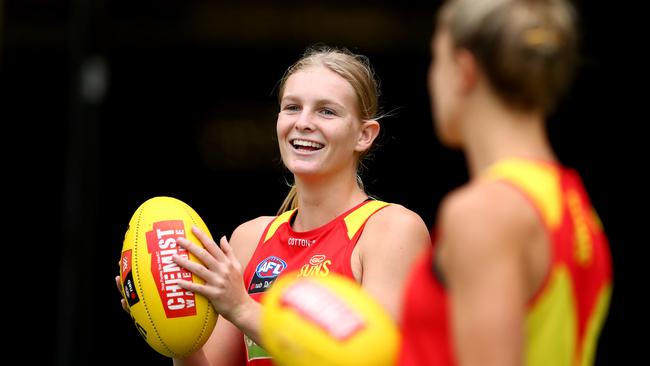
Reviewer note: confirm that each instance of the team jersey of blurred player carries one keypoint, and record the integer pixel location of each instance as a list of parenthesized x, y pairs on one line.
[(565, 317)]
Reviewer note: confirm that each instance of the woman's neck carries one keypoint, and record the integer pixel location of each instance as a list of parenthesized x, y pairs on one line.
[(320, 202), (495, 132)]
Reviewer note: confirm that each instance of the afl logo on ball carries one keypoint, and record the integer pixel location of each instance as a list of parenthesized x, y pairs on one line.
[(265, 273)]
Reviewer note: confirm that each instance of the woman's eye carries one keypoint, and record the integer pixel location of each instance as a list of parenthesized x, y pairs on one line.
[(291, 108), (328, 112)]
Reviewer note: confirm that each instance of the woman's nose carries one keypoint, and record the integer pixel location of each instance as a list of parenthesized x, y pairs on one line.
[(304, 121)]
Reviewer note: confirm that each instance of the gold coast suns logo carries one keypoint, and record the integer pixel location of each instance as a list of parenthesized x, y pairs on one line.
[(318, 266)]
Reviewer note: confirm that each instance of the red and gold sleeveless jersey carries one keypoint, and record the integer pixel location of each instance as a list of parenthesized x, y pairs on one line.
[(564, 318), (316, 252)]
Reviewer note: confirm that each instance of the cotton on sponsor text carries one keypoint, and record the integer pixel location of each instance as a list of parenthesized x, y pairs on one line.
[(297, 242)]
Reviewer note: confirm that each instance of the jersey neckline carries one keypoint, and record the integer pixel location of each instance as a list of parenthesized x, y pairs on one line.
[(325, 226)]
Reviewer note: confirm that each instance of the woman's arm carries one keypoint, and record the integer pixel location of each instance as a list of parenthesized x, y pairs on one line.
[(224, 286), (225, 347), (391, 240), (486, 232)]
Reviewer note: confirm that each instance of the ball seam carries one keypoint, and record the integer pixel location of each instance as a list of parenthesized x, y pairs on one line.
[(210, 308), (146, 308)]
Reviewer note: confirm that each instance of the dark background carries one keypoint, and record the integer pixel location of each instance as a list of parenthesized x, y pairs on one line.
[(108, 103)]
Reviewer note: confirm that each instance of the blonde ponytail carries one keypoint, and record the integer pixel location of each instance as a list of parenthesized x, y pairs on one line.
[(290, 202)]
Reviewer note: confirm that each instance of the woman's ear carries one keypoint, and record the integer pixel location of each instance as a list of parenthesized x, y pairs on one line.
[(468, 70), (369, 132)]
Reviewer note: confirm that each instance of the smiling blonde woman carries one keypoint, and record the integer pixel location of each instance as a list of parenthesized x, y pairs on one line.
[(327, 122)]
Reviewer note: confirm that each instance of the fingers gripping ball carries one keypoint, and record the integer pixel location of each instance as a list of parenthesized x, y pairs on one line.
[(174, 321), (326, 321)]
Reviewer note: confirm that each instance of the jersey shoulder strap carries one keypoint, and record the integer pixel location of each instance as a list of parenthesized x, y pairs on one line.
[(357, 218), (539, 181), (275, 224)]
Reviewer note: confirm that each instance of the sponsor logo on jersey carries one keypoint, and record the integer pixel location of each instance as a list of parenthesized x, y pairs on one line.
[(270, 267), (318, 266), (297, 242), (254, 351), (265, 273)]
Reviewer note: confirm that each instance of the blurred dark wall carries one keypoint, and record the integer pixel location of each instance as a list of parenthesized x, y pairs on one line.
[(111, 102)]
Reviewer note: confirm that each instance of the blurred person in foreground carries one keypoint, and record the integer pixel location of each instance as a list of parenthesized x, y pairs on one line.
[(520, 269), (520, 272)]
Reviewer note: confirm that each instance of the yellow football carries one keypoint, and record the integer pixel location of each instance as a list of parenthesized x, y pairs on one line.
[(173, 321), (326, 321)]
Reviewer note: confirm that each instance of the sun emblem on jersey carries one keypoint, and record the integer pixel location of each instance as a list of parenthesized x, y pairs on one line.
[(318, 266)]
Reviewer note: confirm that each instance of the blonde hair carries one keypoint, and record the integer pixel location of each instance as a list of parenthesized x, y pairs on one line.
[(527, 48), (357, 71)]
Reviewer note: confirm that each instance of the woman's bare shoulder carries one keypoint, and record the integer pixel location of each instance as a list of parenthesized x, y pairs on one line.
[(396, 217), (245, 237), (396, 224), (486, 214)]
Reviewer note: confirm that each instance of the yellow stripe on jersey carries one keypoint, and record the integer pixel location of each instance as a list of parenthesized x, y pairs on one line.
[(596, 320), (284, 217), (356, 219), (538, 180), (551, 325)]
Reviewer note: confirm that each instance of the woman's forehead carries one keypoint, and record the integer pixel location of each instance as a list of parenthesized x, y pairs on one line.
[(319, 82)]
